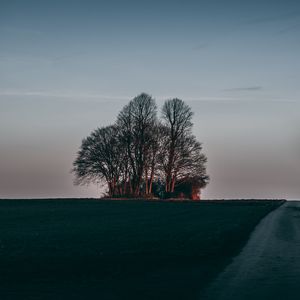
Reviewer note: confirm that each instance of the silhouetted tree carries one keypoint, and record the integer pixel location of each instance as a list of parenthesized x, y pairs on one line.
[(152, 153), (141, 155), (136, 122), (177, 118), (100, 158), (190, 163)]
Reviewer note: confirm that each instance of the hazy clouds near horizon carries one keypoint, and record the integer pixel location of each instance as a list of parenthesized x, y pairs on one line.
[(67, 69), (252, 147)]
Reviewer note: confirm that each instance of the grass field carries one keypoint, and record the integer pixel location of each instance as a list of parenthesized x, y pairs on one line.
[(93, 249)]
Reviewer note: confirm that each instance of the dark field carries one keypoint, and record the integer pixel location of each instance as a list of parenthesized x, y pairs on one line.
[(93, 249)]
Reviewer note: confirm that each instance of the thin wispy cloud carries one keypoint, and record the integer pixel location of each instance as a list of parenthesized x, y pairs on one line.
[(20, 31), (274, 18), (240, 26), (46, 59), (81, 96), (246, 88), (290, 28), (72, 95), (66, 95), (200, 46)]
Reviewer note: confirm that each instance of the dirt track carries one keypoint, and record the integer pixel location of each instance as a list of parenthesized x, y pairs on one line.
[(269, 265)]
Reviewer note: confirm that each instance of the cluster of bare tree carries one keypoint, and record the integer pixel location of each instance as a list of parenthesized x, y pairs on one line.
[(140, 154)]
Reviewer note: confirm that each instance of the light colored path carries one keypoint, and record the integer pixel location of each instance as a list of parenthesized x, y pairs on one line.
[(269, 265)]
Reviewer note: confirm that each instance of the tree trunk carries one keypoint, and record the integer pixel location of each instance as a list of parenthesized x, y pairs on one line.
[(170, 167), (109, 189), (130, 186), (151, 180), (146, 181), (173, 183), (124, 187)]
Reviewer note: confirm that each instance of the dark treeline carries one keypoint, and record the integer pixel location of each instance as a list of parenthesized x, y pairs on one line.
[(143, 155)]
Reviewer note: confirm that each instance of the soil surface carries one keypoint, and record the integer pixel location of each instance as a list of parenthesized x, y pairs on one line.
[(111, 250)]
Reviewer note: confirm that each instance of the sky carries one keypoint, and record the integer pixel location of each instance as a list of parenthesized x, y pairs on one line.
[(68, 67)]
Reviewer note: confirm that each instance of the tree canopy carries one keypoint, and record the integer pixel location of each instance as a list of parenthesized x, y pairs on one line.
[(142, 155)]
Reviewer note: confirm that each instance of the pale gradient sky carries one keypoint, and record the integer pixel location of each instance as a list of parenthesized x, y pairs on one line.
[(67, 67)]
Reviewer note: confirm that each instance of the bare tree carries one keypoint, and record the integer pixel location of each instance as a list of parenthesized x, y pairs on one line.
[(135, 123), (100, 159), (177, 118), (153, 153), (140, 150), (190, 163)]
